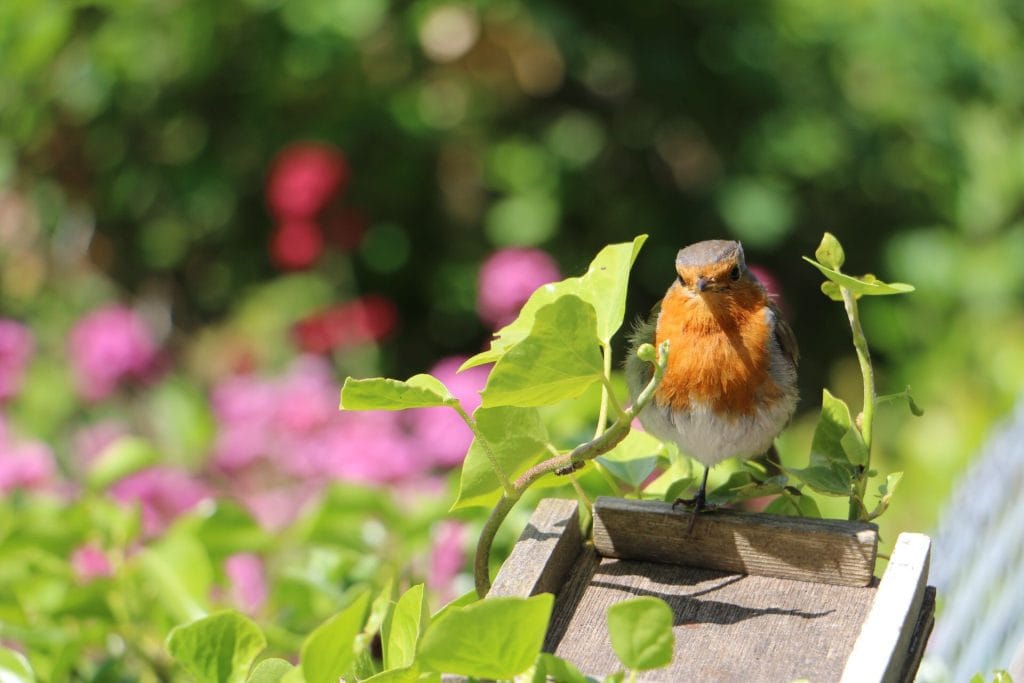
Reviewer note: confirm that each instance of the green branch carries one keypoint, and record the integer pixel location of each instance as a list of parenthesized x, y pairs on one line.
[(565, 464)]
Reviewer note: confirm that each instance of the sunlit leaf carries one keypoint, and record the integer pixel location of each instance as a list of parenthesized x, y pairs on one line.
[(329, 650), (219, 648), (271, 670), (793, 505), (832, 481), (868, 285), (603, 286), (378, 393), (885, 491), (496, 638), (14, 668), (830, 252), (634, 458), (552, 668), (517, 438), (558, 360), (641, 632), (904, 395), (125, 456), (408, 674), (403, 627)]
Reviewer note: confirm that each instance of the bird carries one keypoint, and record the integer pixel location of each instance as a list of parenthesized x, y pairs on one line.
[(730, 384)]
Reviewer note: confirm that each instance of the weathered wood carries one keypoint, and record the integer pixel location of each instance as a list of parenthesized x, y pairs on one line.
[(818, 550), (727, 627), (545, 552), (923, 630), (882, 647)]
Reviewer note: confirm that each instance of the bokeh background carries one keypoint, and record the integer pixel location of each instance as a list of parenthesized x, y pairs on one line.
[(212, 212)]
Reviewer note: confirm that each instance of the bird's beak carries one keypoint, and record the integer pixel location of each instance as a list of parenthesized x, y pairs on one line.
[(702, 284)]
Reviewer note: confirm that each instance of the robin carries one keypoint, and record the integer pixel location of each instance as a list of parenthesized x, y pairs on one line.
[(730, 384)]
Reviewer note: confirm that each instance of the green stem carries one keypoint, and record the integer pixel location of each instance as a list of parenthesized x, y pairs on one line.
[(602, 416), (603, 443), (506, 483), (860, 343)]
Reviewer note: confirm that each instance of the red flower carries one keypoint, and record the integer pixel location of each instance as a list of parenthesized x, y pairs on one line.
[(304, 178), (296, 244), (366, 319)]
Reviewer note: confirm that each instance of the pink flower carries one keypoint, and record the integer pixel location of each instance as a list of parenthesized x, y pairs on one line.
[(366, 447), (89, 441), (296, 244), (16, 347), (89, 562), (304, 178), (24, 464), (248, 581), (163, 494), (107, 346), (441, 435), (507, 279), (447, 557)]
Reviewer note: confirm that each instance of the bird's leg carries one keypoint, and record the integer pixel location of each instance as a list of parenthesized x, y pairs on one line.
[(698, 502)]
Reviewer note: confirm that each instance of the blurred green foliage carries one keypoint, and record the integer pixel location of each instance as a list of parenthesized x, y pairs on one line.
[(140, 134)]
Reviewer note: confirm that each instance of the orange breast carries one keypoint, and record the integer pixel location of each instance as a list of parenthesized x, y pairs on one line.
[(719, 353)]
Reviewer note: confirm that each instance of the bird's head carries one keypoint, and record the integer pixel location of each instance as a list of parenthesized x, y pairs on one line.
[(712, 267)]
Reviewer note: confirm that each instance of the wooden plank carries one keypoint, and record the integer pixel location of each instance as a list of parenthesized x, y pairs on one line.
[(882, 648), (819, 550), (544, 553), (727, 627)]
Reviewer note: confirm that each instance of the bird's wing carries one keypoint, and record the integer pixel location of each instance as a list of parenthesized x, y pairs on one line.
[(784, 335), (638, 372)]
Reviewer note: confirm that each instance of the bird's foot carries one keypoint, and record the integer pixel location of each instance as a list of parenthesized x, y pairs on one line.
[(694, 506)]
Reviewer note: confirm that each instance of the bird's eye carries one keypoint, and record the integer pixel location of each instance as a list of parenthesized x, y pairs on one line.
[(734, 274)]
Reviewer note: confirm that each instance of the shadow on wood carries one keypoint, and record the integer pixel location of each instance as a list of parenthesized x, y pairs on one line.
[(755, 597)]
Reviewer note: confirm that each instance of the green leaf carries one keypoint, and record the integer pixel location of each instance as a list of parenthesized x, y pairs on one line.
[(885, 492), (558, 360), (467, 598), (121, 458), (270, 671), (793, 505), (494, 638), (378, 393), (833, 425), (409, 674), (830, 253), (825, 479), (517, 438), (678, 476), (903, 395), (832, 290), (550, 667), (741, 485), (329, 650), (179, 567), (403, 627), (603, 285), (641, 632), (219, 648), (854, 447), (14, 668), (867, 285), (634, 458), (605, 282)]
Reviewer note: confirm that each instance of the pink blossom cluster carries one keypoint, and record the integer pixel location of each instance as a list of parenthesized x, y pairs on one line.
[(162, 493), (16, 348), (24, 464), (109, 346), (281, 439), (507, 279)]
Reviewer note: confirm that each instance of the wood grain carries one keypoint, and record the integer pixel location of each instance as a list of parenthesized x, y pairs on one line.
[(817, 550), (545, 552), (883, 644), (727, 627)]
